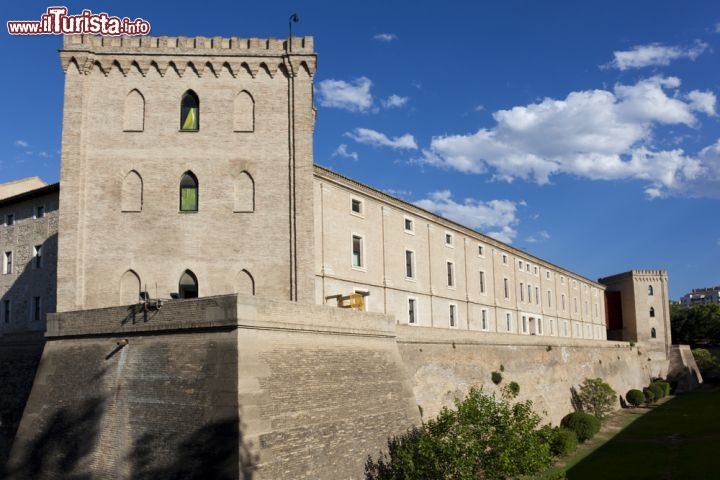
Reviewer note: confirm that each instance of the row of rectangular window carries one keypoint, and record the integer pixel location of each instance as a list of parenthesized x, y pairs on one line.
[(35, 313), (37, 261), (38, 212)]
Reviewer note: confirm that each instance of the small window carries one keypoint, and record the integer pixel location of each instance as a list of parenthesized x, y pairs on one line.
[(188, 285), (409, 225), (357, 251), (522, 292), (524, 324), (482, 282), (6, 311), (356, 206), (527, 267), (448, 239), (450, 274), (188, 193), (484, 319), (412, 311), (190, 112), (520, 264), (562, 298), (409, 264), (539, 326), (652, 311), (37, 256), (10, 219), (537, 295), (529, 294), (504, 259), (549, 295), (575, 304), (562, 280), (552, 327), (506, 287), (536, 270), (508, 322), (547, 275), (36, 310), (653, 333), (481, 250), (650, 290), (8, 263), (453, 315), (40, 211)]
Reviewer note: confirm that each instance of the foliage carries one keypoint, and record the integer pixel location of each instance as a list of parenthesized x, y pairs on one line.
[(484, 437), (696, 324), (513, 389), (583, 424), (665, 385), (496, 377), (657, 390), (564, 442), (649, 396), (706, 362), (597, 397), (635, 397)]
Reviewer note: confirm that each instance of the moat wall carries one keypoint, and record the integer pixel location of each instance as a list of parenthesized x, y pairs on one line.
[(234, 387)]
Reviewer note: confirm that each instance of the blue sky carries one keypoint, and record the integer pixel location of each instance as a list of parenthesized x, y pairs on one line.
[(586, 133)]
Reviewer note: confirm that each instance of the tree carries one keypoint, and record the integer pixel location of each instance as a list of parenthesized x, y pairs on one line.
[(597, 397), (484, 437), (706, 362), (696, 324)]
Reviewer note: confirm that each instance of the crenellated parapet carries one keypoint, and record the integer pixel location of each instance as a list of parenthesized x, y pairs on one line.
[(199, 56)]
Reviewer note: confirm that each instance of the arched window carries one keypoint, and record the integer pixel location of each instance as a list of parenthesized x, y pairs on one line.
[(650, 290), (244, 193), (244, 113), (134, 113), (132, 191), (129, 288), (188, 285), (653, 332), (245, 283), (190, 112), (189, 193), (652, 311)]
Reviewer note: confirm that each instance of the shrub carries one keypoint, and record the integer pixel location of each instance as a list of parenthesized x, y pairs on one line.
[(635, 397), (657, 390), (564, 442), (649, 396), (597, 397), (484, 437), (665, 385), (583, 424), (496, 377), (513, 389)]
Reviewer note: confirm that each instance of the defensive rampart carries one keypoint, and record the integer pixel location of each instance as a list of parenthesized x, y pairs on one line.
[(234, 387)]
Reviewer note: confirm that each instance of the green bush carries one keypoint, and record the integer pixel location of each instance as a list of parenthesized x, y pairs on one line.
[(597, 397), (657, 390), (635, 397), (484, 437), (496, 377), (513, 389), (649, 396), (706, 362), (564, 442), (665, 385), (583, 424)]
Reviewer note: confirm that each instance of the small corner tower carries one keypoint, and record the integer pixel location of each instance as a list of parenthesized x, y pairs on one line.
[(186, 169)]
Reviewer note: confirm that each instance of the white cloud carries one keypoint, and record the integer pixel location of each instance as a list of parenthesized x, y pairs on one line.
[(479, 108), (395, 101), (342, 151), (354, 96), (496, 218), (654, 54), (541, 236), (375, 138), (21, 143), (385, 37), (44, 155), (596, 134), (398, 193)]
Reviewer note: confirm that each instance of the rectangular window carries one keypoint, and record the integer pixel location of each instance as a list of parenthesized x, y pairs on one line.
[(527, 267), (504, 259), (450, 274), (575, 304), (536, 270), (40, 211), (37, 255), (565, 328), (6, 311), (549, 298), (547, 275), (524, 324), (520, 264), (562, 297), (539, 326), (506, 288), (482, 282), (562, 280), (552, 327), (357, 251), (448, 239), (409, 264), (508, 322), (412, 310), (453, 315), (10, 219), (409, 225), (484, 319), (537, 295), (522, 292), (587, 309), (529, 294), (356, 206), (35, 309), (8, 262), (481, 250)]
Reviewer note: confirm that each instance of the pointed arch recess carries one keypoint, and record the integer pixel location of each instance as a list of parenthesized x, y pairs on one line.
[(134, 112), (132, 192), (244, 112), (244, 193), (129, 288)]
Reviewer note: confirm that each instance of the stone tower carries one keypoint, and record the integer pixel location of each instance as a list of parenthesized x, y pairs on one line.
[(186, 169)]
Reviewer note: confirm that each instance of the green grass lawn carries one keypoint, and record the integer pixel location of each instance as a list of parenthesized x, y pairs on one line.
[(679, 439)]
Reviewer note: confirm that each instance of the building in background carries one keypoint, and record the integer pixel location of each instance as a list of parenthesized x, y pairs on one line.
[(701, 296)]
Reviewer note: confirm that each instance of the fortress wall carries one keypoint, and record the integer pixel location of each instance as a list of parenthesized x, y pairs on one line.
[(443, 364)]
